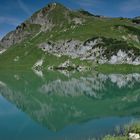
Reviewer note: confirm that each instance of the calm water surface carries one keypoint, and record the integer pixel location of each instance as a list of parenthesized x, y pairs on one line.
[(66, 106)]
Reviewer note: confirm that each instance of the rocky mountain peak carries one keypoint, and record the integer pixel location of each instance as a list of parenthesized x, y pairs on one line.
[(41, 16), (41, 21)]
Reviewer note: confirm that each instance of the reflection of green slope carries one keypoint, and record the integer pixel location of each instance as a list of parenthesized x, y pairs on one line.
[(59, 110)]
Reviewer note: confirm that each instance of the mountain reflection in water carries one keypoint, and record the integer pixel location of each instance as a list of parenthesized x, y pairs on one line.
[(60, 103)]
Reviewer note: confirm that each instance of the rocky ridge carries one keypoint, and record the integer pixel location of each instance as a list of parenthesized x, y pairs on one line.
[(95, 49), (60, 31), (41, 21)]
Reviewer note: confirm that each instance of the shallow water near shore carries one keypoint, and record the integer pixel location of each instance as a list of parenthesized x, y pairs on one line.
[(61, 105)]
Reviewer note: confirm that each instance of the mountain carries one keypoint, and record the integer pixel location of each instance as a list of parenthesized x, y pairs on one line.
[(58, 33)]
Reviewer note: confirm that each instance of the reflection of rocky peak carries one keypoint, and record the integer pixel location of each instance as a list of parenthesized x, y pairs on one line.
[(73, 100), (125, 80), (95, 86), (74, 87)]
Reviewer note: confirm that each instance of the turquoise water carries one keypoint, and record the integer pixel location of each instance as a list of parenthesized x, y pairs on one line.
[(72, 106)]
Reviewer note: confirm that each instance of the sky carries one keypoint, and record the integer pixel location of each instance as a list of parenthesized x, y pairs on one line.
[(14, 12)]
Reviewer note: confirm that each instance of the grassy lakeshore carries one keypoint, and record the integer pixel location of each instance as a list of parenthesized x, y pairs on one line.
[(123, 133)]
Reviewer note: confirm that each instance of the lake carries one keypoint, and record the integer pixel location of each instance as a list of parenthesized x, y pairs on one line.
[(60, 105)]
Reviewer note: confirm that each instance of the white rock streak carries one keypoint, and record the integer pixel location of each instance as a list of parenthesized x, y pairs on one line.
[(2, 51)]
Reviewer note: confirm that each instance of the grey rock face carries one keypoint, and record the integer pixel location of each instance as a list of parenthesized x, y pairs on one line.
[(21, 33), (42, 17), (94, 50), (30, 27), (14, 37)]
